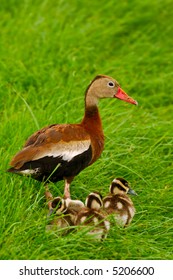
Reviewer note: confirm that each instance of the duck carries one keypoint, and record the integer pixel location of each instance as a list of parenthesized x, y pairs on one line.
[(92, 218), (62, 212), (57, 219), (118, 203), (61, 151)]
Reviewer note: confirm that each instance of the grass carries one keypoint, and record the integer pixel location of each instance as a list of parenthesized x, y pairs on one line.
[(49, 52)]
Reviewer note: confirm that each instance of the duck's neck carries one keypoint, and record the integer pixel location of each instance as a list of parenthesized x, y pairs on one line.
[(92, 118), (93, 125)]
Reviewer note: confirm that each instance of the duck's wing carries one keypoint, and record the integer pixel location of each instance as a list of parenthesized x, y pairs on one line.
[(56, 141), (33, 138)]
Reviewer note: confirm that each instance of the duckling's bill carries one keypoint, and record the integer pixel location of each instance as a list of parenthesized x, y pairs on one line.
[(132, 192), (51, 211)]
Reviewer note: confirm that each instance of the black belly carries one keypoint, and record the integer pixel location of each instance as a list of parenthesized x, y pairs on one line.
[(55, 168)]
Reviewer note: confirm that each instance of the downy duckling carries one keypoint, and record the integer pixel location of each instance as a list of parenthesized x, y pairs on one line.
[(63, 211), (57, 217), (92, 217), (118, 203)]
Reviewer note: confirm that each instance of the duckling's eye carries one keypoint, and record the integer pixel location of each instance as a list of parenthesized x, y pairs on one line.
[(111, 84)]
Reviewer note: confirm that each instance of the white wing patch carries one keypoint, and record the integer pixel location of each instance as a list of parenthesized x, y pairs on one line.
[(119, 205), (121, 219), (107, 204), (66, 150)]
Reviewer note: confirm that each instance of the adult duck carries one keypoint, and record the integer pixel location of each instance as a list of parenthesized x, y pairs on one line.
[(61, 151)]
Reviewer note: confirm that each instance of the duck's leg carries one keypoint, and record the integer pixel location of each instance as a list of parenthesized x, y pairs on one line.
[(67, 187)]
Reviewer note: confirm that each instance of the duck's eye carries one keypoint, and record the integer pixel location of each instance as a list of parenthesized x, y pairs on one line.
[(111, 84)]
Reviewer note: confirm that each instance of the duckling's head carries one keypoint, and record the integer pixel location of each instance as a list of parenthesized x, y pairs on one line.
[(104, 86), (120, 185), (94, 201), (57, 205)]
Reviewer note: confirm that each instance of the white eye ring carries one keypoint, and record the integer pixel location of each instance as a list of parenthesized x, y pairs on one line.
[(111, 84)]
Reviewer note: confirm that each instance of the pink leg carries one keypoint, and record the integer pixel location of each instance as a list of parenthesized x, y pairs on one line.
[(67, 189)]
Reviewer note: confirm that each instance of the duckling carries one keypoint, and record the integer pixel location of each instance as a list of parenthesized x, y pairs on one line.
[(118, 203), (92, 217), (64, 210), (57, 215)]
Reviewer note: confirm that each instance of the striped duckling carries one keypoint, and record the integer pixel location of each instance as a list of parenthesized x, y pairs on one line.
[(118, 203), (92, 217), (63, 212)]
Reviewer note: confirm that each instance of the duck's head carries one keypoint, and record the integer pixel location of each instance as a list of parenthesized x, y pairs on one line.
[(120, 185), (94, 201), (104, 86), (57, 206)]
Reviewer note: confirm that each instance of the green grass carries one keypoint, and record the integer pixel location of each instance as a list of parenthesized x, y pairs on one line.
[(49, 52)]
